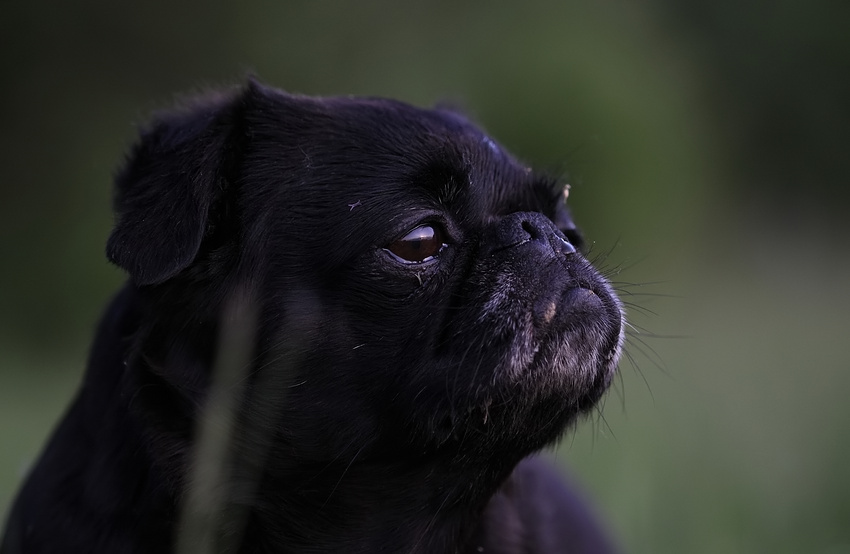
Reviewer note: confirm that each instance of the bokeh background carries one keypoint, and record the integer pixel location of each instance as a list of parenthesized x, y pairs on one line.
[(708, 147)]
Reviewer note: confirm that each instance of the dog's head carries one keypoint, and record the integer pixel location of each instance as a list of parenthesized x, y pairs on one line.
[(434, 285)]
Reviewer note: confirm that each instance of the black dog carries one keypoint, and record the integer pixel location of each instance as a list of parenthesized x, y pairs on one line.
[(407, 317)]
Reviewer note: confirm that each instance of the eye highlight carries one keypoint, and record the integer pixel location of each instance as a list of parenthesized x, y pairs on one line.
[(419, 245)]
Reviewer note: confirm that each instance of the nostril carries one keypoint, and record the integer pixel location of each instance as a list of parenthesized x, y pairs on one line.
[(529, 228), (556, 240)]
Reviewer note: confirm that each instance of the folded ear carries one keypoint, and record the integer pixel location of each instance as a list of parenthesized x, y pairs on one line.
[(169, 184)]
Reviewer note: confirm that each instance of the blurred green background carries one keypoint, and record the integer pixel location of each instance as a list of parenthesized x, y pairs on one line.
[(709, 151)]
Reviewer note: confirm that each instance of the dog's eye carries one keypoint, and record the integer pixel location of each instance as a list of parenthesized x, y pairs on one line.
[(419, 245)]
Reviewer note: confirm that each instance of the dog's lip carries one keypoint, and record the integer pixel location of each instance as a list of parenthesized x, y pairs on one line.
[(580, 295), (575, 297)]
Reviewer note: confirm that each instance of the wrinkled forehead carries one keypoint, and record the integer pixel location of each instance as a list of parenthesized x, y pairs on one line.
[(446, 154), (377, 153)]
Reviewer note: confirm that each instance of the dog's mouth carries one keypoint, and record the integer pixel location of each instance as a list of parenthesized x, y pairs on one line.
[(582, 298), (584, 319), (563, 332), (530, 366)]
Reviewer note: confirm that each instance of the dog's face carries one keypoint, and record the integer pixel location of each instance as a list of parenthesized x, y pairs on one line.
[(432, 284)]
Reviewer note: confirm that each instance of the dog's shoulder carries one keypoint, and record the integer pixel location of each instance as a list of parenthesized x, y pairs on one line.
[(537, 511)]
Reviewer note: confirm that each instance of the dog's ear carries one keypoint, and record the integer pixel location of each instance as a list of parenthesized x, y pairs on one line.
[(169, 184)]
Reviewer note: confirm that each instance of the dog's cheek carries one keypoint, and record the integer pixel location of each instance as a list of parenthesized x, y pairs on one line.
[(494, 322), (505, 313), (327, 401)]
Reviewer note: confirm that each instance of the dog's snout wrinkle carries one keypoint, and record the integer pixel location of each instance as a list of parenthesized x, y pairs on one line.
[(520, 228)]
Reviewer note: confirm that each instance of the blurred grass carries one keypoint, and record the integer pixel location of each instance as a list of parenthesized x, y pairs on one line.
[(33, 397)]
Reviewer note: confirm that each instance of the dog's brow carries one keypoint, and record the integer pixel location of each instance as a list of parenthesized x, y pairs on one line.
[(533, 191), (443, 180), (547, 189), (451, 189)]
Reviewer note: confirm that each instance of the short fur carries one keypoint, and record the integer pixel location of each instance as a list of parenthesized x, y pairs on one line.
[(385, 406)]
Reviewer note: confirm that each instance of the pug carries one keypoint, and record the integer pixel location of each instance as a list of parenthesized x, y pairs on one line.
[(349, 326)]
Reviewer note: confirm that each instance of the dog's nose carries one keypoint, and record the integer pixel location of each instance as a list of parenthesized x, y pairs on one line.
[(521, 227)]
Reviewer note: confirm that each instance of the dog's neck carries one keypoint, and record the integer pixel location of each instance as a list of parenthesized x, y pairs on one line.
[(370, 507)]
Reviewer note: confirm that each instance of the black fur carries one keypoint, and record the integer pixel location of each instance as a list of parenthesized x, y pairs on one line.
[(380, 406)]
